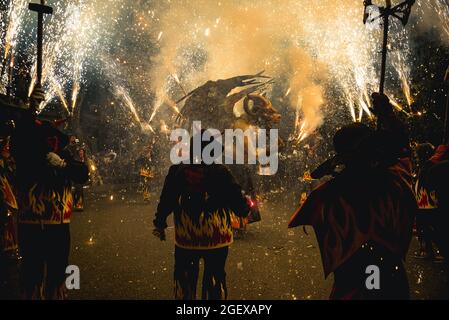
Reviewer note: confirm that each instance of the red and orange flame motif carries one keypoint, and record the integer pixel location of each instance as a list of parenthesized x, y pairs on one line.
[(8, 241), (147, 173), (47, 206), (8, 194), (346, 214), (425, 198), (210, 231)]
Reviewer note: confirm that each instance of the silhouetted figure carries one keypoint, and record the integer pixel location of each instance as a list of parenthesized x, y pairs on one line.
[(427, 202), (45, 173), (363, 217), (9, 257), (435, 184), (202, 198)]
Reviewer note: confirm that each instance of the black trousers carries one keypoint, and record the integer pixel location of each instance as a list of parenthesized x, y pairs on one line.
[(45, 253), (187, 272)]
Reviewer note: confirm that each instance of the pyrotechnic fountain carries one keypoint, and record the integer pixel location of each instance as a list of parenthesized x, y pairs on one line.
[(318, 52)]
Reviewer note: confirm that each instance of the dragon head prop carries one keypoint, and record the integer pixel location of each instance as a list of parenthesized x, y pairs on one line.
[(260, 111)]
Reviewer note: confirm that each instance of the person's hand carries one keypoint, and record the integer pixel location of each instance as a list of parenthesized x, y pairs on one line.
[(159, 233), (381, 104), (55, 161)]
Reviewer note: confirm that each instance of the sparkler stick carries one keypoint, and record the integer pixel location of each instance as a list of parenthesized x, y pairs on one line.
[(10, 71), (41, 9), (3, 7), (402, 13), (384, 48)]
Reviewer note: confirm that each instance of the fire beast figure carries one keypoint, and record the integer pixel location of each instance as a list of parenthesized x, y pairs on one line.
[(363, 217), (214, 102), (45, 173), (203, 199)]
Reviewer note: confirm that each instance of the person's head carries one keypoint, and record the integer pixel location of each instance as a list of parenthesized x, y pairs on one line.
[(352, 143), (55, 139), (73, 140)]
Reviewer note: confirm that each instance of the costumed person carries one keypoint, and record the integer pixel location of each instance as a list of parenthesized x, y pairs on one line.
[(202, 198), (364, 216), (79, 154), (146, 172), (45, 173), (244, 177), (427, 202), (9, 257), (435, 183), (78, 192)]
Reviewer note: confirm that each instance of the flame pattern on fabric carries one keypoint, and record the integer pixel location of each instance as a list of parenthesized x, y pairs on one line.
[(346, 214), (9, 240), (211, 231), (203, 200), (8, 195), (426, 199), (47, 206)]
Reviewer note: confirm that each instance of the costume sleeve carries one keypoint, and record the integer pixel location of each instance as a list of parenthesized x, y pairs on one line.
[(167, 199), (438, 177), (233, 193), (76, 171)]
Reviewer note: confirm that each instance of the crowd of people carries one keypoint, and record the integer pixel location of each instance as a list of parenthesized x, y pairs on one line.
[(364, 216)]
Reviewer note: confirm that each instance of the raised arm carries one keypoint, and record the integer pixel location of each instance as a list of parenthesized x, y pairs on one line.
[(167, 199)]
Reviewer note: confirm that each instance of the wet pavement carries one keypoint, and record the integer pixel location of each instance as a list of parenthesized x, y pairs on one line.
[(119, 258)]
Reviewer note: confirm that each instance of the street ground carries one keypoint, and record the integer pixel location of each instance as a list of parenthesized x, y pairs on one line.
[(119, 258)]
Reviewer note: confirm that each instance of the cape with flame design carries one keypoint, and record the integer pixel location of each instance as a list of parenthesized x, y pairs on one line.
[(8, 239), (347, 212)]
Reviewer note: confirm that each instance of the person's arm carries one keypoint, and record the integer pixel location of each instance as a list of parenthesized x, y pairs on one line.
[(167, 200), (76, 171), (308, 214), (237, 202), (394, 131)]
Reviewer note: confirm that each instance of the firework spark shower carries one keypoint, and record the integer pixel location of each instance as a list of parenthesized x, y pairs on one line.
[(159, 48), (289, 140)]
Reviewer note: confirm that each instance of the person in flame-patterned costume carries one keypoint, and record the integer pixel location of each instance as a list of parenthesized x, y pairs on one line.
[(203, 199), (45, 174), (432, 193), (426, 200), (364, 216), (9, 258)]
